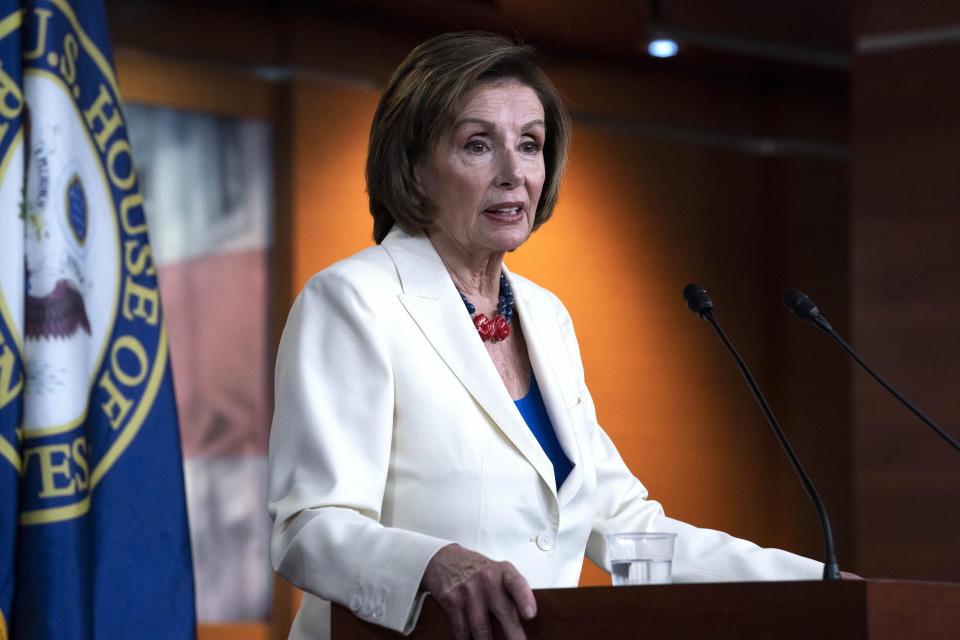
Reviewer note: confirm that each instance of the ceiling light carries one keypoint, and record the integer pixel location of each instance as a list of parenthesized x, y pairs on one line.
[(662, 48)]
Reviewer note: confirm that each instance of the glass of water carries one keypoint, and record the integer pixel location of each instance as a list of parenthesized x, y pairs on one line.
[(640, 558)]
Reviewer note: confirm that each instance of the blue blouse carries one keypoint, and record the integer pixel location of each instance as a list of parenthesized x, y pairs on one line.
[(534, 412)]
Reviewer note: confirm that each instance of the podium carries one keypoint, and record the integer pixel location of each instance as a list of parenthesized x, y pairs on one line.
[(851, 610)]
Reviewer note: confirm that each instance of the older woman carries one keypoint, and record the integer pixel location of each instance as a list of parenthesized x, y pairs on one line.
[(433, 431)]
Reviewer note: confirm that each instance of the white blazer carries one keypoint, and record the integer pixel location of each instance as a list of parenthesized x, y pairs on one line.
[(393, 435)]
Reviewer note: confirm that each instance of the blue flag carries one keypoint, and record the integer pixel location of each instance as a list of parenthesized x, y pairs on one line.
[(93, 525)]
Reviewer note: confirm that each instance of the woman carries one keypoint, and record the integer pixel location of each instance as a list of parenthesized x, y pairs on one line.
[(401, 461)]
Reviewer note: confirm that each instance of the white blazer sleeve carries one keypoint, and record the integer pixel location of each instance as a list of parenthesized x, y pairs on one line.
[(700, 555), (330, 446)]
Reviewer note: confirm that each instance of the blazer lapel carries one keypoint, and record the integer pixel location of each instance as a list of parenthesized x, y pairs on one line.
[(548, 357), (433, 302)]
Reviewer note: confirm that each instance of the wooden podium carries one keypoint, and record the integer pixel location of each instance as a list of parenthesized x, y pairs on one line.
[(851, 610)]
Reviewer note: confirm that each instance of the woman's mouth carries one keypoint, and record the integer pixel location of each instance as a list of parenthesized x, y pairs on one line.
[(507, 211)]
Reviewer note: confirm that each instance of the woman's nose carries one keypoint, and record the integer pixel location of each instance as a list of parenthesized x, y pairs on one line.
[(509, 170)]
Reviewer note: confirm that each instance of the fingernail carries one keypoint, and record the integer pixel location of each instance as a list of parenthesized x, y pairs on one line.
[(528, 612)]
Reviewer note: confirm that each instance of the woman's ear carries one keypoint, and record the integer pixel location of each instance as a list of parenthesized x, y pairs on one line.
[(417, 177)]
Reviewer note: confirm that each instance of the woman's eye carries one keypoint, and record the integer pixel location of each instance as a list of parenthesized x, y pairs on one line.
[(475, 146), (529, 146)]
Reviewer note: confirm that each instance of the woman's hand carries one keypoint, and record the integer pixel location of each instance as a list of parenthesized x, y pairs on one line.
[(470, 586)]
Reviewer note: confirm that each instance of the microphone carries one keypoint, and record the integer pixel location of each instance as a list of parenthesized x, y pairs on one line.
[(699, 302), (804, 308)]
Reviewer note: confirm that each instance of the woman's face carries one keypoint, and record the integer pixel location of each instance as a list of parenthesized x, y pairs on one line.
[(485, 175)]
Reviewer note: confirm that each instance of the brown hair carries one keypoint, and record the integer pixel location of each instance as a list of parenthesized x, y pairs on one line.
[(418, 105)]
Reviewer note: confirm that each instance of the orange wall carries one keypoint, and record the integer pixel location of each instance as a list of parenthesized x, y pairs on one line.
[(331, 121)]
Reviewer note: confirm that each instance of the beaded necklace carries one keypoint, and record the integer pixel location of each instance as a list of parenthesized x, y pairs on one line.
[(498, 328)]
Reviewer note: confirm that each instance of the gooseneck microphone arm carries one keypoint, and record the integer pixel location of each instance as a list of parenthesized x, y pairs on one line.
[(804, 308), (700, 303)]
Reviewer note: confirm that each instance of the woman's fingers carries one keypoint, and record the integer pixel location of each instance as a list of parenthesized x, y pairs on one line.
[(474, 591), (516, 585), (458, 619), (504, 606), (478, 616)]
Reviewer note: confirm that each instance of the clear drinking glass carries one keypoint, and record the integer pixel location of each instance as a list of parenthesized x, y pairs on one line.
[(640, 558)]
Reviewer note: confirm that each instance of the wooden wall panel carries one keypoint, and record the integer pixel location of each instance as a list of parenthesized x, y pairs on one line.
[(899, 16), (222, 89), (905, 278), (806, 248)]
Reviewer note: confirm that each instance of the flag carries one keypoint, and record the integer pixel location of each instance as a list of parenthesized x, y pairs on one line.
[(94, 523), (11, 298)]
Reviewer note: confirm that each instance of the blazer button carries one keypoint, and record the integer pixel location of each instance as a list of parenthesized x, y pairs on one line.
[(546, 540)]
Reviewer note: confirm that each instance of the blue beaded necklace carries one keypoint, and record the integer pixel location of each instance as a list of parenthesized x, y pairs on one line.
[(498, 328)]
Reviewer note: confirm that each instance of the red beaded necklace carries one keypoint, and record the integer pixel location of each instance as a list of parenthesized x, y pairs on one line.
[(498, 328)]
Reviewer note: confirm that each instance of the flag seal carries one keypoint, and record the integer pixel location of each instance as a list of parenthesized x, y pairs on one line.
[(94, 348)]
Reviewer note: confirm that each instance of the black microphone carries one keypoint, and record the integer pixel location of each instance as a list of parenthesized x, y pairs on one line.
[(802, 307), (699, 302)]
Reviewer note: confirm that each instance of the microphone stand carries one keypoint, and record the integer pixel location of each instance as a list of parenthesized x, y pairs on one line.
[(700, 304), (803, 307)]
